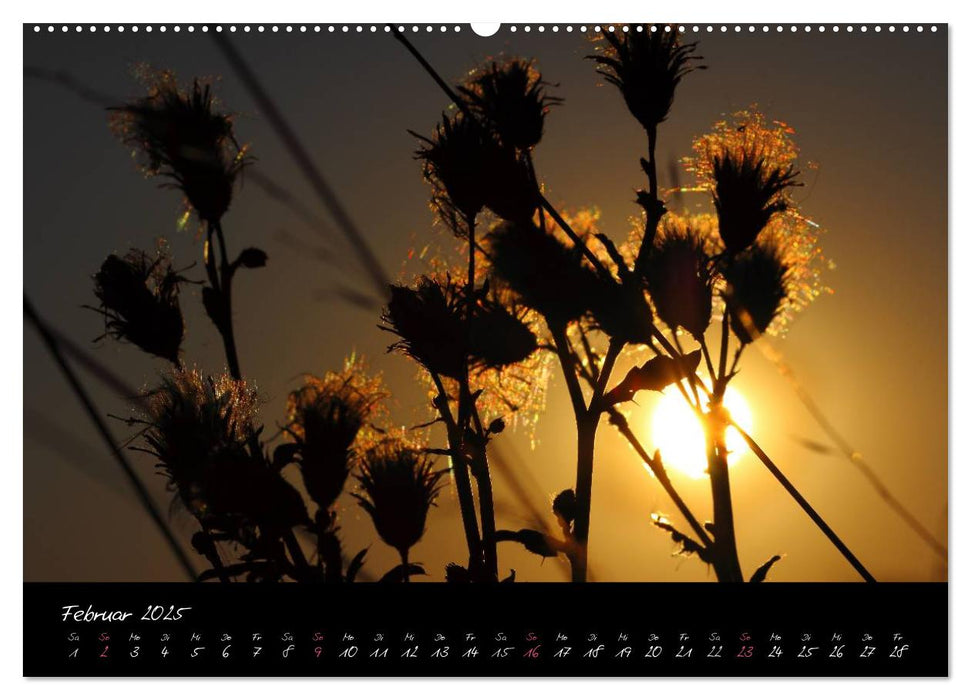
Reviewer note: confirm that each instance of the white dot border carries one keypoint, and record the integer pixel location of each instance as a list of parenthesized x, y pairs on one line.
[(701, 29)]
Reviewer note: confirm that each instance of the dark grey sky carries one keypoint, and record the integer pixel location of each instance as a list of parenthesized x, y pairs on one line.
[(869, 109)]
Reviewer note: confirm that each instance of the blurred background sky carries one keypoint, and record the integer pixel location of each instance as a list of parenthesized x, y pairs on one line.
[(869, 109)]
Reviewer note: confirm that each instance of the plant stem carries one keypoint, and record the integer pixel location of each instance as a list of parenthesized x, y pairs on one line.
[(565, 356), (660, 473), (723, 354), (586, 442), (226, 295), (460, 471), (708, 362), (726, 562), (405, 576), (487, 508), (804, 504), (587, 422)]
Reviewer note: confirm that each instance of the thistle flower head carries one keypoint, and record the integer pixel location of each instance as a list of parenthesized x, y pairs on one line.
[(325, 416), (140, 302), (748, 191), (469, 170), (646, 67), (500, 335), (542, 271), (429, 320), (756, 285), (181, 135), (511, 99), (398, 485), (621, 310), (201, 429), (748, 164), (678, 278), (432, 321)]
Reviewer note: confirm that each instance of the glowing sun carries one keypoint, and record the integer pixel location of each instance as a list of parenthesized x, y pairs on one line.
[(678, 434)]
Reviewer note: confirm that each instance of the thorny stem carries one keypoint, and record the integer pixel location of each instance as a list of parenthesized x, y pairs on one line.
[(726, 562), (804, 504), (723, 355), (738, 355), (708, 362), (590, 355), (610, 359), (463, 485), (487, 506), (532, 175), (587, 421), (656, 465), (479, 465), (565, 355), (226, 304), (660, 473)]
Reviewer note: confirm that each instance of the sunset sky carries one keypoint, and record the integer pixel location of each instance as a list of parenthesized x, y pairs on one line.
[(869, 110)]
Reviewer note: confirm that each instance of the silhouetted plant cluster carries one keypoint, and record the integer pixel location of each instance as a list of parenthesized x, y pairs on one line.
[(203, 430), (536, 283), (595, 298)]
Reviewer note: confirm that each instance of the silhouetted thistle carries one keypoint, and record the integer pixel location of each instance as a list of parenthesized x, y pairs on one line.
[(511, 99), (398, 485), (429, 319), (140, 302), (646, 67), (200, 429), (542, 271), (456, 573), (181, 135), (756, 287), (470, 170), (325, 416), (747, 191), (500, 337), (621, 310), (678, 278)]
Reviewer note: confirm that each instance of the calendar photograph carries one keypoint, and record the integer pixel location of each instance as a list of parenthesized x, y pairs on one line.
[(573, 349)]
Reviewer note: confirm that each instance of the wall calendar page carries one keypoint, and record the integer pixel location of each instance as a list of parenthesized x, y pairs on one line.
[(548, 350)]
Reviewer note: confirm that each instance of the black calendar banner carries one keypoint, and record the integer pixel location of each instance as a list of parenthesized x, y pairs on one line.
[(502, 630), (544, 349)]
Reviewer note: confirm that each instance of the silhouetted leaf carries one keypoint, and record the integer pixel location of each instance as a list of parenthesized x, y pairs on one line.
[(762, 571), (688, 545), (354, 567), (213, 305), (654, 375), (511, 578), (397, 574)]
